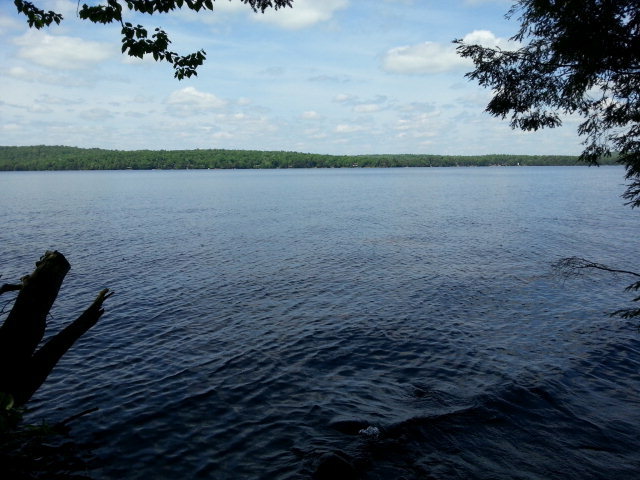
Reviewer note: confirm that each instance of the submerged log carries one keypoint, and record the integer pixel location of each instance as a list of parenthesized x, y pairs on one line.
[(22, 368)]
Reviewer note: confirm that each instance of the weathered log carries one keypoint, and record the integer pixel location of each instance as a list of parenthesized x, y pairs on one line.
[(22, 368)]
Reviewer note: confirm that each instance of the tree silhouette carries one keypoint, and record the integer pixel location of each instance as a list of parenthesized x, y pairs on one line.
[(24, 366), (579, 58)]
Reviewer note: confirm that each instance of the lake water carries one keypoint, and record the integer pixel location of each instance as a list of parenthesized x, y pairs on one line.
[(263, 319)]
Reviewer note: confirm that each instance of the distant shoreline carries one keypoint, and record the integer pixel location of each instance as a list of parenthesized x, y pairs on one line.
[(47, 158)]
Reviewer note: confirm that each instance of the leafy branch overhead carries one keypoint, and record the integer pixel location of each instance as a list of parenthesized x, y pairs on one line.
[(136, 40), (578, 58)]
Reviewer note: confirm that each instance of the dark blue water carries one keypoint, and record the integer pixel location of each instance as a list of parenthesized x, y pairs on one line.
[(263, 319)]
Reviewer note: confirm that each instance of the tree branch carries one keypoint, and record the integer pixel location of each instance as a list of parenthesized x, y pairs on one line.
[(135, 41), (49, 354), (570, 267), (573, 266), (9, 287)]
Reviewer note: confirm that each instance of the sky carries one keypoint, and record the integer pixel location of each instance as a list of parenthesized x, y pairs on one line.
[(330, 76)]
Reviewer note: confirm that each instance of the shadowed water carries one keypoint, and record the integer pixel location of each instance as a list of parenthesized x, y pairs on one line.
[(265, 318)]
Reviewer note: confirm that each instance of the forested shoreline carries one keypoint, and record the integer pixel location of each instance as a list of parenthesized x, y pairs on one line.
[(73, 158)]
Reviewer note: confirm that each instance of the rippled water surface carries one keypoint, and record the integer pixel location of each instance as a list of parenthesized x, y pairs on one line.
[(263, 319)]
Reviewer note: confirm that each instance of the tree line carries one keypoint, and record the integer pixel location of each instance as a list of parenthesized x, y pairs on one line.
[(43, 157)]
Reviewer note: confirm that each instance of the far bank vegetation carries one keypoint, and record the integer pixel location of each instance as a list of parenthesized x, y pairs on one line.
[(73, 158)]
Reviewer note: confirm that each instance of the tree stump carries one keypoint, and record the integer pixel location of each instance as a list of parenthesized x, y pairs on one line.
[(24, 367)]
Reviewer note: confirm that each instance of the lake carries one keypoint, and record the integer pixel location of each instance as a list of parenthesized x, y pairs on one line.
[(407, 320)]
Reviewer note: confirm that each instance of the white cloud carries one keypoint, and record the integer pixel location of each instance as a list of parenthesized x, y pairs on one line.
[(367, 108), (222, 135), (343, 98), (61, 52), (315, 133), (10, 127), (229, 6), (190, 100), (432, 57), (330, 78), (96, 114), (417, 107), (348, 128), (488, 39), (37, 108), (310, 115), (304, 13), (66, 7), (40, 76), (7, 24), (418, 125), (275, 71), (427, 57), (19, 72), (361, 105), (46, 99)]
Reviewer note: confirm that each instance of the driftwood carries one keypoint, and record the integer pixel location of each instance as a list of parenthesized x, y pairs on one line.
[(24, 367)]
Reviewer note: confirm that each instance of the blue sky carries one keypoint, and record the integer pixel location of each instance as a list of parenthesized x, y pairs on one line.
[(330, 76)]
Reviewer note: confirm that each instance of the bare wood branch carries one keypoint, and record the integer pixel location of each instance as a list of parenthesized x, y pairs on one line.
[(572, 265), (46, 358), (9, 287)]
